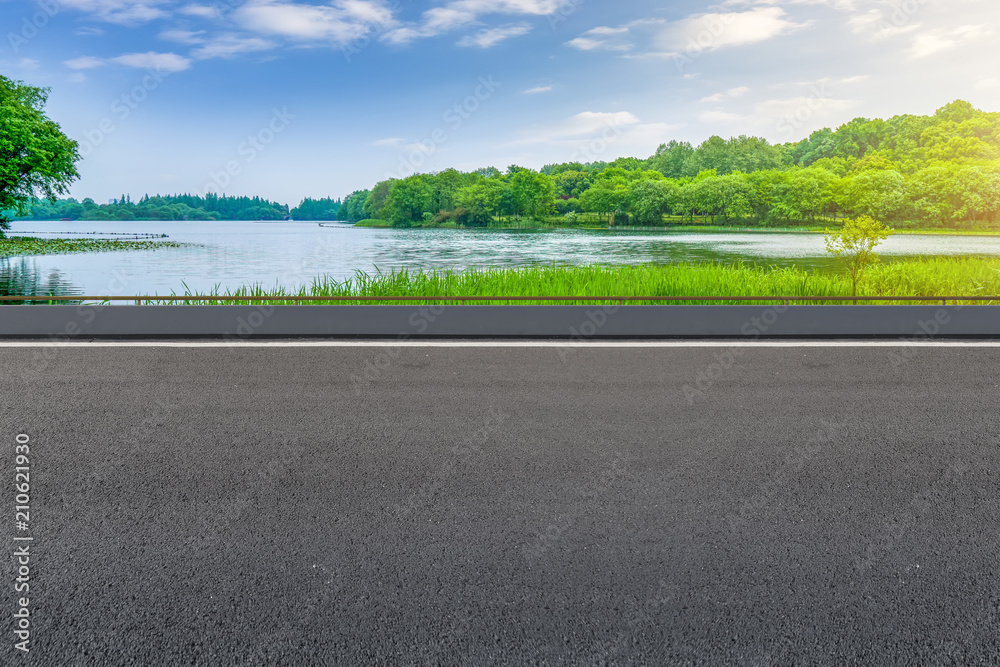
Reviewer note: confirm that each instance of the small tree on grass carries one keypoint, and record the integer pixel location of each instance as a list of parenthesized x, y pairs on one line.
[(856, 242)]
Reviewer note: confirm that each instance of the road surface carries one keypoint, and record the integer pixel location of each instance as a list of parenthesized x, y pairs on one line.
[(505, 505)]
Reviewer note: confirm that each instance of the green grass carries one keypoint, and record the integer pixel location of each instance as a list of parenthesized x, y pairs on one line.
[(26, 245), (925, 277), (373, 223)]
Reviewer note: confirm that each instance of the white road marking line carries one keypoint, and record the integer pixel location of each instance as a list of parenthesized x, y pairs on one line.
[(508, 344)]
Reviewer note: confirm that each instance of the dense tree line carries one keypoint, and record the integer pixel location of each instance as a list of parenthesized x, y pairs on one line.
[(940, 170), (316, 209), (180, 207)]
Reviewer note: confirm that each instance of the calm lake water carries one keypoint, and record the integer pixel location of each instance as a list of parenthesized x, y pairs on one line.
[(231, 254)]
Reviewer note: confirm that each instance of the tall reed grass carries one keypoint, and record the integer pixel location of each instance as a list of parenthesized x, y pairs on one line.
[(931, 277)]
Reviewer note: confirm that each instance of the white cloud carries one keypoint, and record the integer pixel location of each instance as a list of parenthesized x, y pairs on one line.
[(86, 62), (875, 24), (201, 11), (537, 90), (816, 106), (460, 13), (228, 45), (835, 4), (590, 136), (125, 12), (604, 39), (712, 117), (184, 36), (581, 125), (693, 35), (588, 44), (709, 32), (987, 84), (485, 39), (391, 141), (161, 62), (20, 65), (730, 94), (933, 42), (821, 84), (340, 22)]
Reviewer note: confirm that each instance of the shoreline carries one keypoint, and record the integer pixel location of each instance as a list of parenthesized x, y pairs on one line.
[(679, 229)]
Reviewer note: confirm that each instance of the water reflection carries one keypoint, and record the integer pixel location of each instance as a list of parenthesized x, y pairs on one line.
[(22, 277), (228, 255)]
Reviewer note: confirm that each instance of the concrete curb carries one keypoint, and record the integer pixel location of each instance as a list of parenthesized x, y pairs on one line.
[(563, 322)]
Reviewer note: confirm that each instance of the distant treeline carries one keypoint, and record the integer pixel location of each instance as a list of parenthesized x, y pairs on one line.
[(940, 170), (181, 207)]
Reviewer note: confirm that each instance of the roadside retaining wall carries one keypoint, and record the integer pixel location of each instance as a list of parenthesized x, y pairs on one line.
[(566, 322)]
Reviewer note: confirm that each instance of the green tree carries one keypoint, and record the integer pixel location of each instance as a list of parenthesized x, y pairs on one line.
[(533, 194), (671, 159), (407, 202), (876, 193), (485, 196), (856, 242), (650, 199), (36, 158)]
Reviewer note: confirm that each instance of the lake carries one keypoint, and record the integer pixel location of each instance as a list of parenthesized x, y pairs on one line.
[(231, 254)]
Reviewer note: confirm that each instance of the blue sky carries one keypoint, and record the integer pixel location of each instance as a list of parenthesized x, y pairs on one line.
[(288, 99)]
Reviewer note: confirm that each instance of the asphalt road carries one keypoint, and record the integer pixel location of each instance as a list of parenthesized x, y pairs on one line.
[(505, 506)]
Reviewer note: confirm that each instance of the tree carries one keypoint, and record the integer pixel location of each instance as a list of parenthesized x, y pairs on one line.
[(876, 193), (407, 201), (36, 158), (856, 242), (650, 199), (483, 197), (671, 159), (532, 194)]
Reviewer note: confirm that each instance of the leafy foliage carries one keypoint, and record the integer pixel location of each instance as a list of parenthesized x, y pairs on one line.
[(36, 158), (316, 209), (174, 207), (856, 242), (932, 171)]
